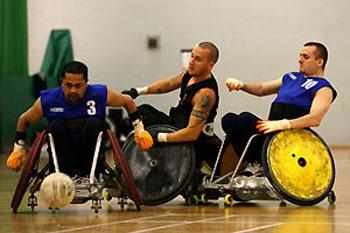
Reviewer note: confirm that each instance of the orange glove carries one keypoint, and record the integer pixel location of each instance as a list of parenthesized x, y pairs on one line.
[(17, 157), (144, 140), (272, 126), (142, 137)]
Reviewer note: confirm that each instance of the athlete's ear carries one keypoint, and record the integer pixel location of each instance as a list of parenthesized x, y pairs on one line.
[(211, 65), (61, 81), (320, 62), (61, 78)]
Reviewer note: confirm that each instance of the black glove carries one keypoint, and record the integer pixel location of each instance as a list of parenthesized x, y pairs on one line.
[(132, 92), (155, 139), (154, 135)]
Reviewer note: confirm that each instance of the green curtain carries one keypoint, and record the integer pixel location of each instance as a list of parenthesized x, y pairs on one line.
[(59, 51), (13, 37), (13, 64)]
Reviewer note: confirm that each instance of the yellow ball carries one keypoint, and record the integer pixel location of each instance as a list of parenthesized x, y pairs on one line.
[(57, 190)]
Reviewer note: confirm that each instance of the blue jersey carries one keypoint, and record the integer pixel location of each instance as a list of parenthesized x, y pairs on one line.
[(298, 90), (56, 107)]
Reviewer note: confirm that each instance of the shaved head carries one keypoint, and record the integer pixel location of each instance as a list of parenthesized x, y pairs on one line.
[(213, 50)]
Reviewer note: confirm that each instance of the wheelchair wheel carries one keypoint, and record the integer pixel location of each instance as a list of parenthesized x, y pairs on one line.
[(27, 171), (127, 181), (299, 165), (164, 171)]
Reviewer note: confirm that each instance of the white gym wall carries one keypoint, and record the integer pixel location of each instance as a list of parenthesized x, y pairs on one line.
[(259, 40)]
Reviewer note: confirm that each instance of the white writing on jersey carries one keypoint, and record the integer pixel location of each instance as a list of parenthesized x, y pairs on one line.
[(309, 83), (91, 107), (292, 76), (56, 109)]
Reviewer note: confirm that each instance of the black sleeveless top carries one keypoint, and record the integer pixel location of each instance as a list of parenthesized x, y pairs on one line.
[(180, 114)]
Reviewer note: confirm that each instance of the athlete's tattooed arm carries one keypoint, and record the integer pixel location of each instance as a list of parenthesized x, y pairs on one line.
[(203, 102)]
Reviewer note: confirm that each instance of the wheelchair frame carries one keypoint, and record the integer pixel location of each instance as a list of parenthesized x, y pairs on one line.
[(243, 188), (119, 178), (152, 167)]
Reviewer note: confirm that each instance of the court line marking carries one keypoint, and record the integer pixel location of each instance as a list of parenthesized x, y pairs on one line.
[(111, 223), (183, 223), (302, 216), (258, 228), (247, 222)]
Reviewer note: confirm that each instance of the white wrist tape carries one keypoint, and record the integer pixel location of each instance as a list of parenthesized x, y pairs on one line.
[(20, 146), (138, 126), (162, 137), (235, 82), (285, 124), (208, 129), (142, 90)]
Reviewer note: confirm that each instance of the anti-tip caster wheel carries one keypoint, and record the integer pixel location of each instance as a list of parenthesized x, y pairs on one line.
[(204, 198), (283, 203), (107, 196), (193, 200), (228, 199), (331, 197)]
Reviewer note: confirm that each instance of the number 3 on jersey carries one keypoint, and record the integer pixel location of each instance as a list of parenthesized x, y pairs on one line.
[(91, 107)]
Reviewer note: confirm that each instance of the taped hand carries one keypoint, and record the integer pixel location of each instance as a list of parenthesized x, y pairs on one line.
[(17, 157), (272, 126), (142, 137), (234, 84)]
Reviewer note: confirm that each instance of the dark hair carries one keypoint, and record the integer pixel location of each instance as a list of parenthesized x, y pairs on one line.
[(213, 50), (75, 67), (321, 52)]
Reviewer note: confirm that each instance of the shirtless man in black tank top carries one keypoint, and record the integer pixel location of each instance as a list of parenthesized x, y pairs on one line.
[(195, 113)]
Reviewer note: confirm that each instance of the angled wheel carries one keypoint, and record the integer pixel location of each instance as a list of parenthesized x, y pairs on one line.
[(164, 171), (299, 165), (228, 199), (332, 197), (129, 184), (204, 198), (27, 171), (193, 200)]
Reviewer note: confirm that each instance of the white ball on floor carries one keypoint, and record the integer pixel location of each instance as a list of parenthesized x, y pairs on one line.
[(57, 190)]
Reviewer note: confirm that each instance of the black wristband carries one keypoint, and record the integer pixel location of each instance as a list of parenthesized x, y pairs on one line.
[(132, 92), (20, 136), (135, 115)]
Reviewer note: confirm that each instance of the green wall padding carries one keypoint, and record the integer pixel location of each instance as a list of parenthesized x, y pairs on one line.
[(16, 96), (13, 38)]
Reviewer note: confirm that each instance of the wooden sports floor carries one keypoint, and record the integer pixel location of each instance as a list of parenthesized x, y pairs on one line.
[(175, 216)]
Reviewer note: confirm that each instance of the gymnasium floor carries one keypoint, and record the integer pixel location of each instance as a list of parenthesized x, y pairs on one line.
[(175, 216)]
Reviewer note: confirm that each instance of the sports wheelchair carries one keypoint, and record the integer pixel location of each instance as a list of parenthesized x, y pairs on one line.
[(118, 180), (164, 171), (298, 167)]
